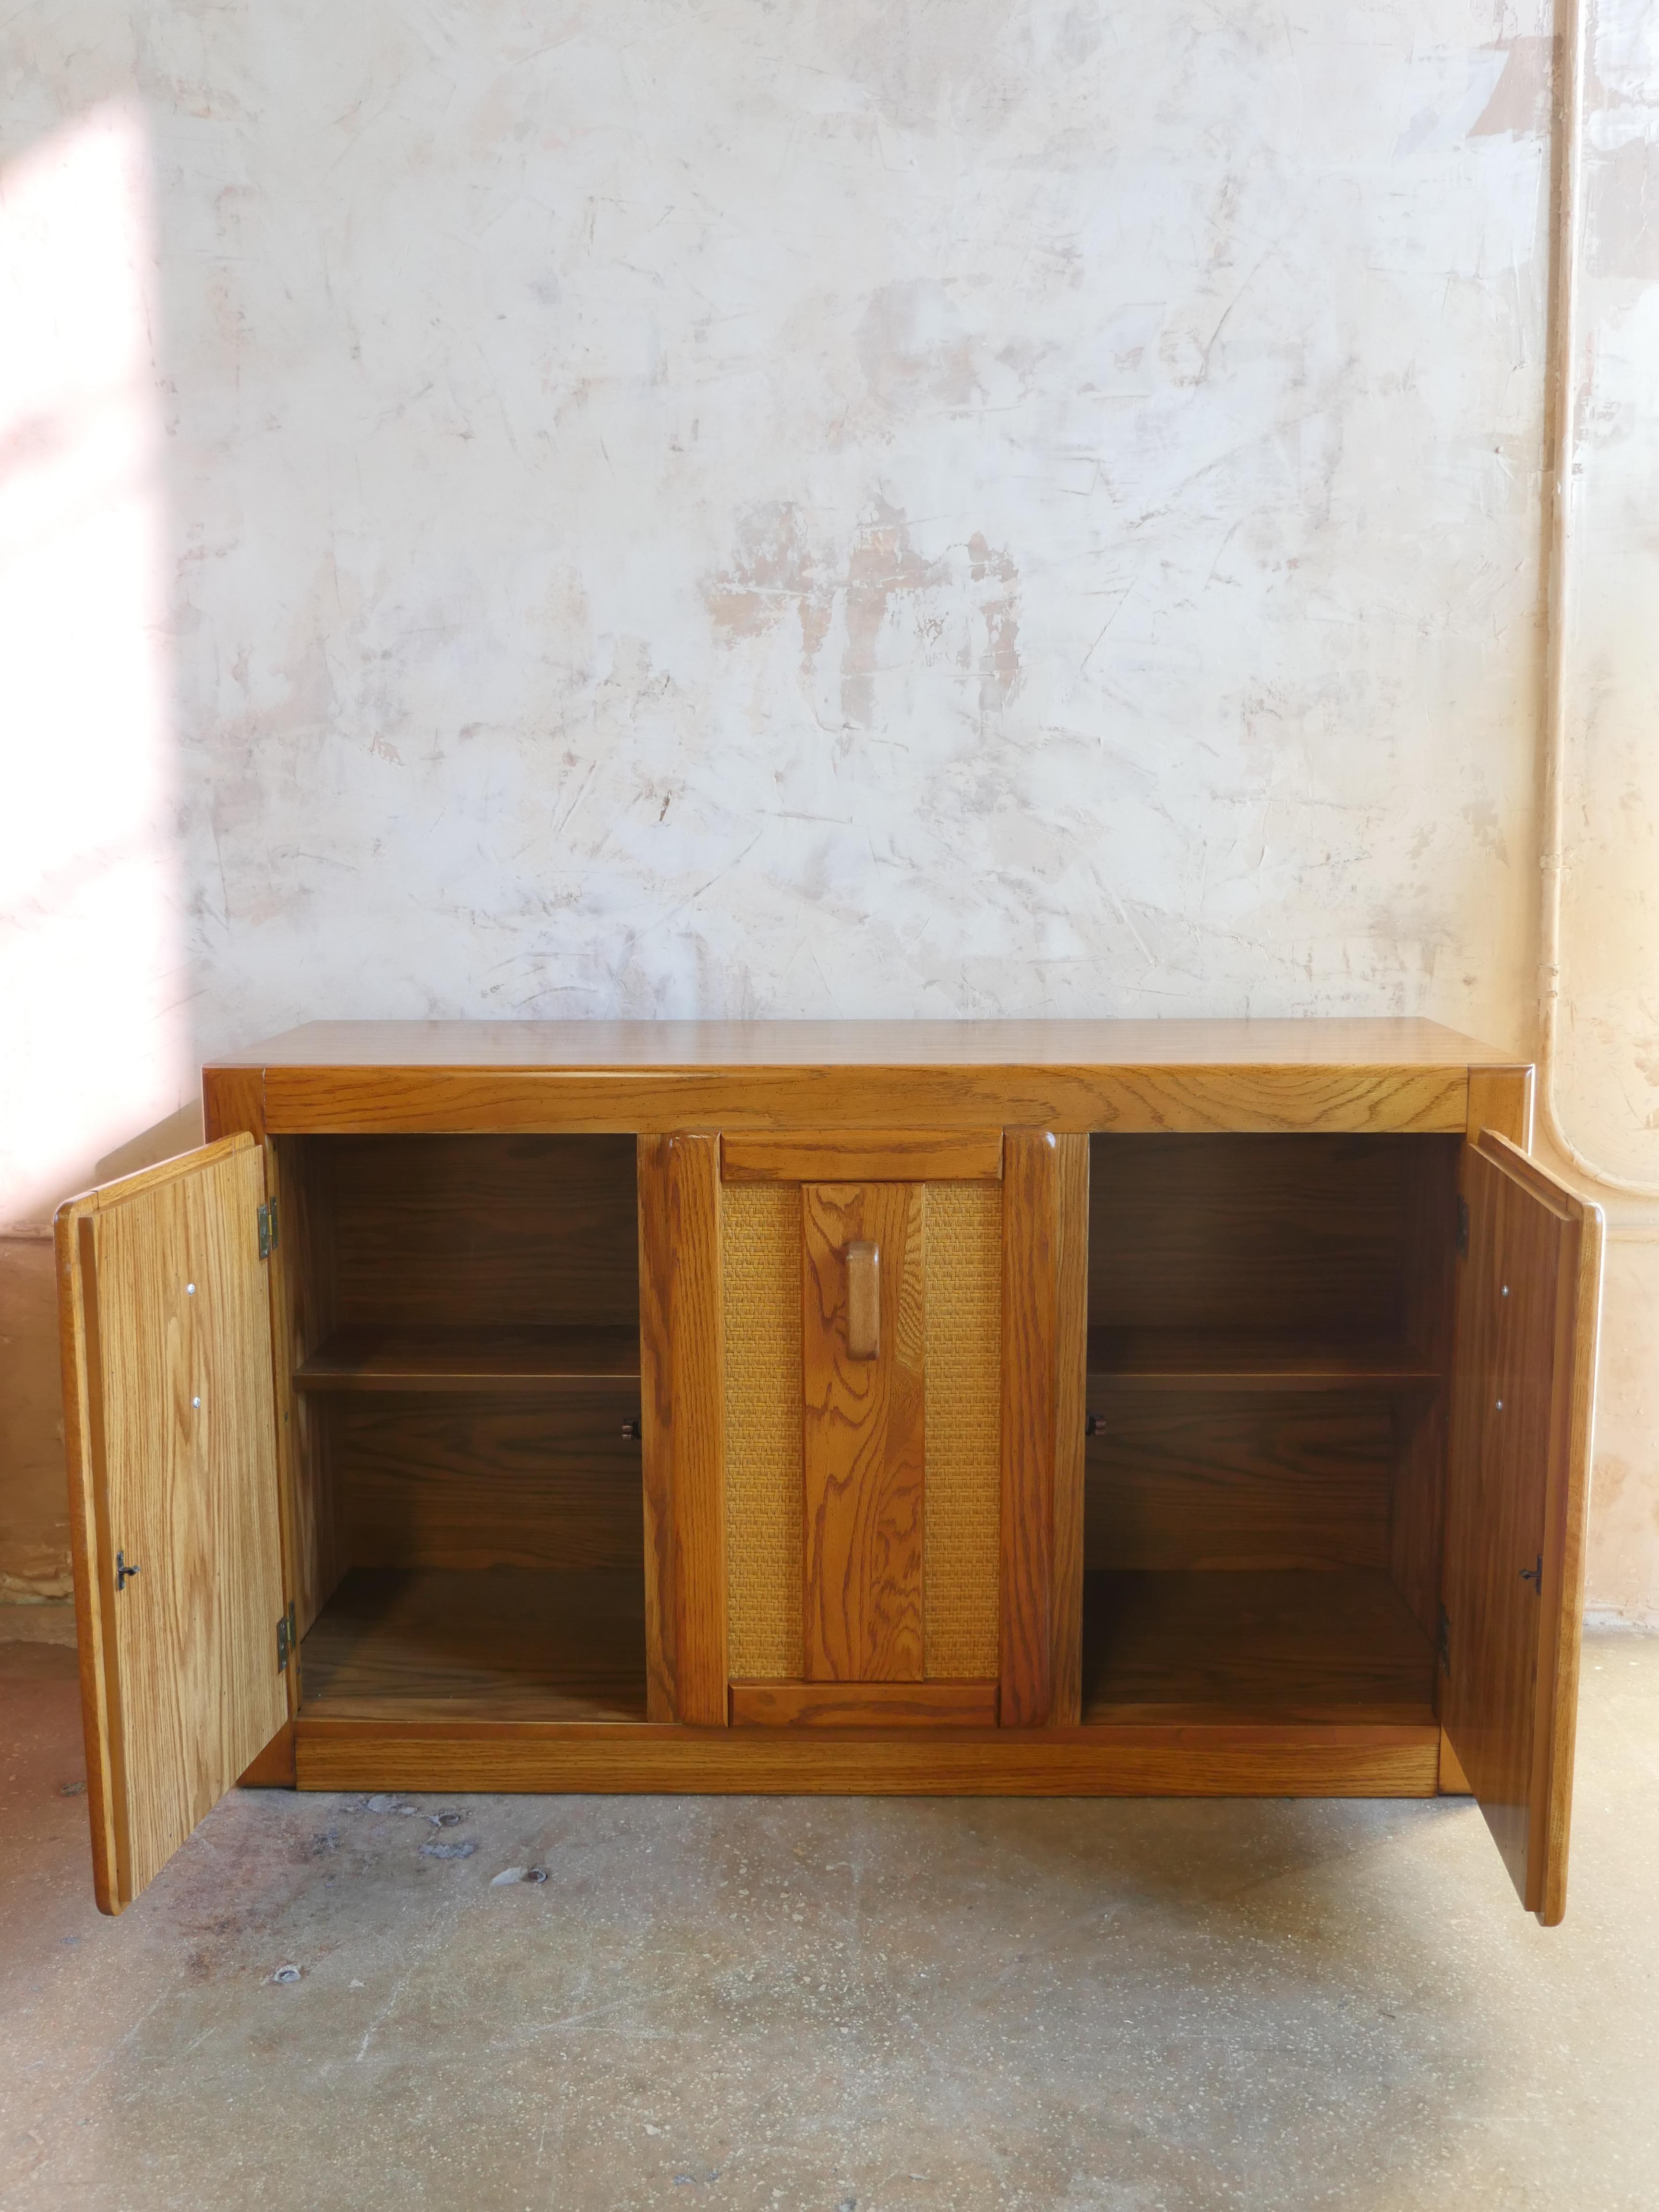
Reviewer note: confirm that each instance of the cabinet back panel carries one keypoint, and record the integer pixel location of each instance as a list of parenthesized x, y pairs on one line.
[(1285, 1235), (453, 1483), (483, 1231), (1246, 1482)]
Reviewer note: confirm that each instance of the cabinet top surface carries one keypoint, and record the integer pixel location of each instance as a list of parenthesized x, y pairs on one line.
[(708, 1045)]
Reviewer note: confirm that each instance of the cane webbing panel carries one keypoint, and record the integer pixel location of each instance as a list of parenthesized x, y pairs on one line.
[(761, 1235), (963, 1414), (761, 1256)]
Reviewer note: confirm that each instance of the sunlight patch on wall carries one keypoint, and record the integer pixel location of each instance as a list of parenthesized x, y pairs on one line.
[(92, 974)]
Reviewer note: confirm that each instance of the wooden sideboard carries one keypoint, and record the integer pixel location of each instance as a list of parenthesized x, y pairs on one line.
[(1027, 1407)]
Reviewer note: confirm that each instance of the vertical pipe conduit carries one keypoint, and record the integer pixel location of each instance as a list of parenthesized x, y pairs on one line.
[(1572, 14)]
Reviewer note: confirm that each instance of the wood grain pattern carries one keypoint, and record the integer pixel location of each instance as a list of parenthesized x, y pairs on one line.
[(1070, 1340), (1043, 1338), (179, 1473), (507, 1481), (507, 1645), (1162, 1096), (1139, 1362), (1454, 1783), (864, 1704), (233, 1100), (683, 1418), (1239, 1483), (1417, 1505), (302, 1317), (1301, 1238), (1275, 1647), (861, 1267), (654, 1174), (1031, 1180), (865, 1156), (273, 1767), (700, 1428), (1565, 1525), (1527, 1304), (503, 1232), (864, 1443), (554, 1361), (1501, 1100), (84, 1455), (1169, 1761)]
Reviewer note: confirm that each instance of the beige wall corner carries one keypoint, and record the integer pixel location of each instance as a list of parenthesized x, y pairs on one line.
[(1622, 1572), (33, 1505), (34, 1553)]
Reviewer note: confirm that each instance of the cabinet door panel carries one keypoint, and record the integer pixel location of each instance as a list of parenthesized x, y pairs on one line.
[(682, 1384), (1529, 1295), (865, 1449), (174, 1512), (1045, 1292)]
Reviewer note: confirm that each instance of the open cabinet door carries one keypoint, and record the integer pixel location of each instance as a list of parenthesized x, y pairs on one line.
[(1528, 1298), (168, 1421)]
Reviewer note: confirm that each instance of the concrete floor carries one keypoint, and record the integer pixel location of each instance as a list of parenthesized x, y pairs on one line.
[(839, 2006)]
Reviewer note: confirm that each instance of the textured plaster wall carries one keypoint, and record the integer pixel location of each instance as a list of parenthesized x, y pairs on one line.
[(998, 507), (1608, 1076), (1609, 1071)]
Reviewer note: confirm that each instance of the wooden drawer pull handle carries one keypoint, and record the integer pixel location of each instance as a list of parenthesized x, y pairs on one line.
[(863, 1301)]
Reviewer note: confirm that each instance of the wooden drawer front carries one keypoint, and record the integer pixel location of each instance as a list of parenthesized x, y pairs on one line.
[(862, 1497)]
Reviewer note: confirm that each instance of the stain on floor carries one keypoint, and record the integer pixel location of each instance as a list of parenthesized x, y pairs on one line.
[(853, 2006)]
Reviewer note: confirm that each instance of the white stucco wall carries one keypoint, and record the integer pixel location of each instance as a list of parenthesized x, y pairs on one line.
[(1609, 1082), (733, 509), (996, 508)]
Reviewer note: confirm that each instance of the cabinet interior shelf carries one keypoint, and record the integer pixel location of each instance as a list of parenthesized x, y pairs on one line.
[(507, 1644), (554, 1360), (1247, 1645), (1142, 1359)]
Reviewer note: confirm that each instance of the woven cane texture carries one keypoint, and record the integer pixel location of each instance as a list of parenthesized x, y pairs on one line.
[(964, 1430), (761, 1256)]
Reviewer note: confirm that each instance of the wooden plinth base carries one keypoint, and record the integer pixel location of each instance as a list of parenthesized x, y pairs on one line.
[(1138, 1761)]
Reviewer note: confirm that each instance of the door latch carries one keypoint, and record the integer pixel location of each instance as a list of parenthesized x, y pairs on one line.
[(863, 1300), (123, 1573)]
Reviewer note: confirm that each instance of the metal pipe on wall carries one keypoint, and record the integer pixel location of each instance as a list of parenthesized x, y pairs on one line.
[(1568, 248)]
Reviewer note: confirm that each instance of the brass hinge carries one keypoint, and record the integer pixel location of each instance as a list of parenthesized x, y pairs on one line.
[(1463, 1227), (1443, 1641), (267, 1229), (282, 1646)]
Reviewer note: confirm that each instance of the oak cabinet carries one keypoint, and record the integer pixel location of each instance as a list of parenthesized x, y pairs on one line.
[(1064, 1408)]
